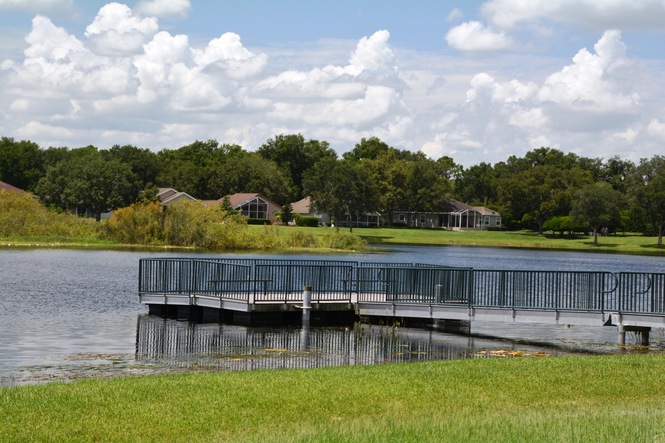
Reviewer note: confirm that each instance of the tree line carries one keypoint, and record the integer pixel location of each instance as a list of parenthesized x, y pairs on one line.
[(546, 189)]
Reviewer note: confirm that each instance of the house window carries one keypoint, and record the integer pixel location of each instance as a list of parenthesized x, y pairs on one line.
[(422, 219), (402, 217), (498, 221), (256, 208), (487, 221)]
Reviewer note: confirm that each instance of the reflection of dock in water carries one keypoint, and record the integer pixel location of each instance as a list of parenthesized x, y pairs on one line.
[(230, 347)]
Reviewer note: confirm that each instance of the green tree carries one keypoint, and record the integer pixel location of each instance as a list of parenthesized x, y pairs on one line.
[(391, 176), (373, 147), (87, 183), (295, 157), (428, 185), (190, 168), (540, 193), (287, 213), (617, 172), (342, 187), (647, 190), (478, 183), (597, 205), (143, 162), (20, 163), (248, 172)]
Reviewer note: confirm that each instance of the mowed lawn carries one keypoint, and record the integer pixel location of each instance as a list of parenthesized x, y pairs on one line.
[(620, 243), (629, 243)]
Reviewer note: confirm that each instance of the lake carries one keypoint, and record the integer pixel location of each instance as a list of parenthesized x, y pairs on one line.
[(67, 314)]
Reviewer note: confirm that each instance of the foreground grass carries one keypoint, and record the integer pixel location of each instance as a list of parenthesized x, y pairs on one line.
[(602, 398)]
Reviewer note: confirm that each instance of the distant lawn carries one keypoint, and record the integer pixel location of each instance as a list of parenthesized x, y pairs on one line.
[(620, 243)]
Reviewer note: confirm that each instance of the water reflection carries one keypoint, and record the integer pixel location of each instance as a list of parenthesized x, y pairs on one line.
[(175, 343)]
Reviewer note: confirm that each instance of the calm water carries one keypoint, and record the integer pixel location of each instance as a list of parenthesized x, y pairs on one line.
[(66, 314)]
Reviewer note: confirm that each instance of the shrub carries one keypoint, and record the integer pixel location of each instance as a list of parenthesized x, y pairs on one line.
[(23, 216), (342, 240), (563, 224), (301, 239), (307, 221), (140, 223)]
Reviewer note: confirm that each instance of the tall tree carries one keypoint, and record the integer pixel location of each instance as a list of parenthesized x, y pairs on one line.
[(597, 205), (191, 168), (248, 172), (143, 162), (342, 187), (20, 163), (540, 192), (616, 172), (647, 189), (478, 183), (88, 183), (391, 176), (295, 157)]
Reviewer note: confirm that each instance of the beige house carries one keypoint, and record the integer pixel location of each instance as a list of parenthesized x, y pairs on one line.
[(456, 216), (304, 207), (169, 196), (251, 205)]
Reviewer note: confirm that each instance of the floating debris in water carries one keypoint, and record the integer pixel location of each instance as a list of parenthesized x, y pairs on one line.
[(503, 353)]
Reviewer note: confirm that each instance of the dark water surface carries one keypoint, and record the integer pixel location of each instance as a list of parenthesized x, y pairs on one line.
[(68, 314)]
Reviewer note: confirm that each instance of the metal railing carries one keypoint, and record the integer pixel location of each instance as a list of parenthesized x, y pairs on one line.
[(285, 282), (562, 290), (273, 280)]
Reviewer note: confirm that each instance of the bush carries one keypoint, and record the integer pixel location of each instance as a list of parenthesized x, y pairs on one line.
[(182, 224), (301, 239), (23, 216), (307, 221), (258, 221), (140, 223), (563, 224), (342, 240)]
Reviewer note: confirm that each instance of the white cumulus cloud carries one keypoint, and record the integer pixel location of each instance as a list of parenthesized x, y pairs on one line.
[(117, 31), (474, 36), (588, 83)]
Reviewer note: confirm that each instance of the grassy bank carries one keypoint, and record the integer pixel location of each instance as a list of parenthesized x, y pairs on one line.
[(622, 243), (608, 398), (281, 238)]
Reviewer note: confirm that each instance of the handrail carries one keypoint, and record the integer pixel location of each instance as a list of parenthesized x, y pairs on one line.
[(616, 283), (270, 280), (649, 279)]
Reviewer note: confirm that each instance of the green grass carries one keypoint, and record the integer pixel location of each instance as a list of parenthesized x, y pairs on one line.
[(621, 243), (562, 399)]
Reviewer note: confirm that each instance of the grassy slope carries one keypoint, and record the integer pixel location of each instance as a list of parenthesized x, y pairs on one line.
[(627, 244), (608, 398)]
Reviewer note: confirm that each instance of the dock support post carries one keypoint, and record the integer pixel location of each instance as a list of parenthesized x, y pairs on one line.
[(306, 304), (306, 310), (641, 331)]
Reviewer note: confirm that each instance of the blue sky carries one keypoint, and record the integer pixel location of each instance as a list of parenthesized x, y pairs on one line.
[(474, 80)]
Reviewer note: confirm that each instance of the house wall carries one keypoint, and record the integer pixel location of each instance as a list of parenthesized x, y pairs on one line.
[(470, 219), (259, 208)]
